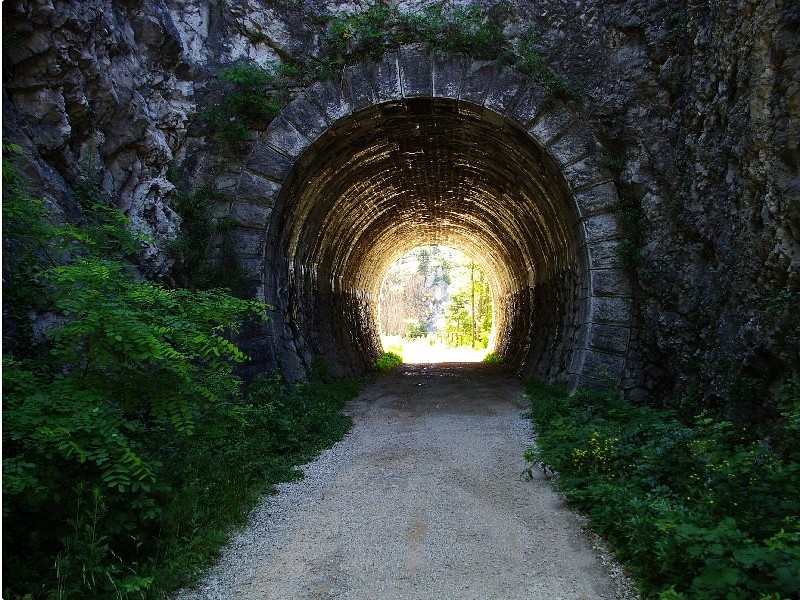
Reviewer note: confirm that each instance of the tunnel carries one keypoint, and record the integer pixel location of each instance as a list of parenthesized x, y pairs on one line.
[(416, 150)]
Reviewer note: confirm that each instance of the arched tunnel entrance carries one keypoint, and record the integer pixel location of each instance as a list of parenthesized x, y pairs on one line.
[(416, 150), (419, 172)]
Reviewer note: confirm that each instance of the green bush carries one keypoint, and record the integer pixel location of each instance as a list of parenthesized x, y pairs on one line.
[(128, 447), (240, 450), (493, 358), (256, 96), (704, 509), (388, 361)]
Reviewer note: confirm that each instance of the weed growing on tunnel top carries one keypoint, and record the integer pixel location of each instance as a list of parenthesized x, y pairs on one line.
[(698, 509), (388, 361), (477, 30)]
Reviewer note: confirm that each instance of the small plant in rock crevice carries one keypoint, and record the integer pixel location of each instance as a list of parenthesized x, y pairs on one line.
[(254, 96)]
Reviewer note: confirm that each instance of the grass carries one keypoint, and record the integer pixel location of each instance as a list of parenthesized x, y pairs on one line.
[(242, 451), (700, 509)]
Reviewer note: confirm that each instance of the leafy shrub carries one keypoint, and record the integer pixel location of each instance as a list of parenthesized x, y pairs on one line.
[(128, 447), (191, 247), (240, 450), (388, 361), (256, 96), (698, 510), (493, 358)]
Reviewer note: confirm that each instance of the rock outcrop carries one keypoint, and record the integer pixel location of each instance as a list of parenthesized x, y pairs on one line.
[(696, 107)]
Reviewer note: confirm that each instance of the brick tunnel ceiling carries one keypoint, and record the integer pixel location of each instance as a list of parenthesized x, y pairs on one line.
[(425, 172)]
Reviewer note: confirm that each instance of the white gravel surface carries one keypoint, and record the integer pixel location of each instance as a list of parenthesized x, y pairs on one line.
[(424, 499)]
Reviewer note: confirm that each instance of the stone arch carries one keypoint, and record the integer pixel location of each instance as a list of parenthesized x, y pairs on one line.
[(567, 313)]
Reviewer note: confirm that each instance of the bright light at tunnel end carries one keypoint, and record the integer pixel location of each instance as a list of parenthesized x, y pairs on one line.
[(435, 306)]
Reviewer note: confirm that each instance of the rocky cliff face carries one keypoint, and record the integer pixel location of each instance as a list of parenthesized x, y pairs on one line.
[(696, 104)]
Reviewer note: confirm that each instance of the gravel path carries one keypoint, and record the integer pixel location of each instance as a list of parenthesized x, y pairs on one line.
[(422, 500)]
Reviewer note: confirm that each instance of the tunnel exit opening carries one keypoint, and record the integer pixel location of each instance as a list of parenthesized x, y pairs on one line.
[(435, 305)]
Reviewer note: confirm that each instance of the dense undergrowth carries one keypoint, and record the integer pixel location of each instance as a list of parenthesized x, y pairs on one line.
[(129, 447), (701, 508)]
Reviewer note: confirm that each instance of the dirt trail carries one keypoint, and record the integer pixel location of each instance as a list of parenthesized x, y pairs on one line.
[(423, 500)]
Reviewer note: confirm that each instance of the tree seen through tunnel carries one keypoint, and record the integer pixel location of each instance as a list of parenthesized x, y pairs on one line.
[(435, 305)]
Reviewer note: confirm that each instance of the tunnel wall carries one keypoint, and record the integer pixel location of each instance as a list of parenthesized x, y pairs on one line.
[(575, 324)]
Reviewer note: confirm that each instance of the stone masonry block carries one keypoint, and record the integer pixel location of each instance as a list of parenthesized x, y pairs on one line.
[(252, 267), (601, 227), (478, 78), (551, 124), (583, 174), (416, 72), (610, 310), (609, 338), (448, 74), (225, 182), (610, 282), (357, 86), (219, 209), (605, 255), (284, 137), (598, 199), (386, 79), (257, 190), (267, 161), (571, 146), (249, 241), (306, 117), (528, 104), (504, 89), (332, 100), (252, 216), (600, 364)]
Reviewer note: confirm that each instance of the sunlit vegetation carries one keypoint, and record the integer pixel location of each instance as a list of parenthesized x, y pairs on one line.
[(388, 361), (695, 507), (436, 295), (129, 447)]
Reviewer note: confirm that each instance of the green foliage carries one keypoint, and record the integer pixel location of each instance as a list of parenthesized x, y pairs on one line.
[(190, 248), (415, 329), (493, 358), (698, 510), (477, 30), (128, 447), (241, 448), (530, 56), (256, 95), (468, 318), (122, 412), (388, 361)]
